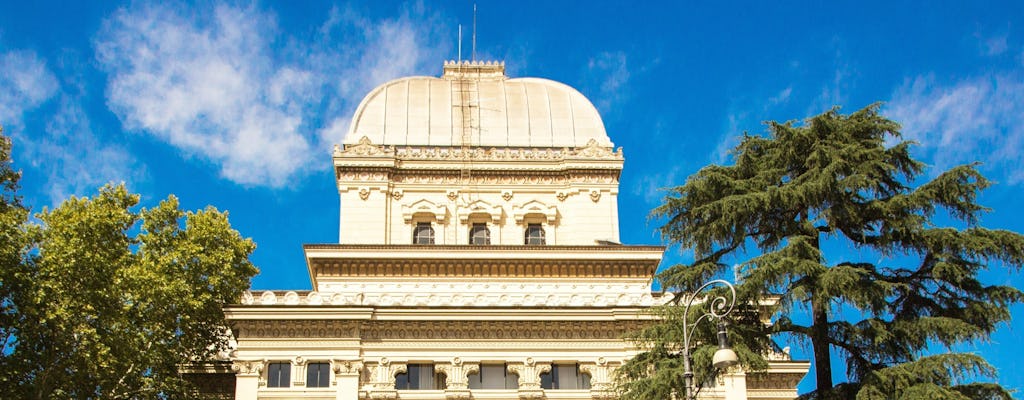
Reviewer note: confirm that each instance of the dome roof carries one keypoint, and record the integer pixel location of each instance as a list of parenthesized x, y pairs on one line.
[(476, 102)]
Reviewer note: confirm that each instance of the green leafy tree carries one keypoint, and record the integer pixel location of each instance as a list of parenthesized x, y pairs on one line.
[(103, 301), (911, 282)]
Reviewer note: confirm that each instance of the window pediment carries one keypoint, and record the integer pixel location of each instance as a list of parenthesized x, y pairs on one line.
[(535, 207), (480, 207), (424, 206)]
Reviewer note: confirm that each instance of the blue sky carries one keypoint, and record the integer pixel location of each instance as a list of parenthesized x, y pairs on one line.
[(236, 105)]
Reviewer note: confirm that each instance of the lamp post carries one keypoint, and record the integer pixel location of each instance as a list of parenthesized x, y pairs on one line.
[(719, 307)]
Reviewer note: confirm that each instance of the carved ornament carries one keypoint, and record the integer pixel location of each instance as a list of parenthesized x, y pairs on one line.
[(347, 367), (364, 148), (243, 367), (594, 150)]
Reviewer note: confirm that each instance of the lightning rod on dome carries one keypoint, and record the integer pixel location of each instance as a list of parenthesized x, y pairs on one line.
[(460, 43)]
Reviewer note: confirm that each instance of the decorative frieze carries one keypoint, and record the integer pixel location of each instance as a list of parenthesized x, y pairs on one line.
[(483, 179), (296, 329), (434, 329), (774, 380), (497, 330)]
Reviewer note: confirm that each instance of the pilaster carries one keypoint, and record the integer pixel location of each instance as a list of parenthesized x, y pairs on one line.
[(247, 378)]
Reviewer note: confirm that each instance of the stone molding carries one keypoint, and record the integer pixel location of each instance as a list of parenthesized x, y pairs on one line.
[(366, 148), (487, 297), (505, 269), (379, 330), (310, 328)]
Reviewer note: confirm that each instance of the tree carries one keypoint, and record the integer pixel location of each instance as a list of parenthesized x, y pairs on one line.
[(911, 283), (102, 301)]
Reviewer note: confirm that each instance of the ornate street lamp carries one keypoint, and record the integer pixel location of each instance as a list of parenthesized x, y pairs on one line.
[(719, 307)]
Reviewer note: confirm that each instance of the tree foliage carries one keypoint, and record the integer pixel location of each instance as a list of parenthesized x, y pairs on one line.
[(101, 300), (907, 280)]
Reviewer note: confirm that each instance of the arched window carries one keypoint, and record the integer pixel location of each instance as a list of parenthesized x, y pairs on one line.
[(535, 234), (423, 233), (479, 234)]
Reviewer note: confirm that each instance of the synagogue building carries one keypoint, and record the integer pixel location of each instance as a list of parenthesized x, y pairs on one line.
[(478, 257)]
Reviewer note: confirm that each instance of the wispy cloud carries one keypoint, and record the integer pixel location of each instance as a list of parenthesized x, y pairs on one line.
[(74, 159), (651, 187), (834, 91), (212, 84), (781, 98), (975, 119), (27, 83), (993, 45), (611, 73), (61, 145)]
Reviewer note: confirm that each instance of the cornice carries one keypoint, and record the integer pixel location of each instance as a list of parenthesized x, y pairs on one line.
[(623, 252), (330, 313), (382, 330), (493, 261)]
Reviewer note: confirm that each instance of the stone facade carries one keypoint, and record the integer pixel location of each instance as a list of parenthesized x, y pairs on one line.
[(478, 258)]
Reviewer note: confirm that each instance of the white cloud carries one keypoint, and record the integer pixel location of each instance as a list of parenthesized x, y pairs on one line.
[(611, 73), (73, 158), (220, 87), (975, 119), (27, 83)]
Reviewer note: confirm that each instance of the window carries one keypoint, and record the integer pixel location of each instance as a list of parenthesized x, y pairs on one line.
[(493, 376), (423, 233), (420, 377), (565, 376), (479, 234), (534, 234), (318, 374), (279, 374)]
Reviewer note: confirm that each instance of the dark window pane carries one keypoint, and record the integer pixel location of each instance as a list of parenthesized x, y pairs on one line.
[(279, 374), (565, 376), (417, 377), (318, 375), (423, 233), (546, 381), (479, 234), (535, 234)]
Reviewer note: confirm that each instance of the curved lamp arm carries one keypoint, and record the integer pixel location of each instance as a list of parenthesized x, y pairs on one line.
[(720, 306)]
